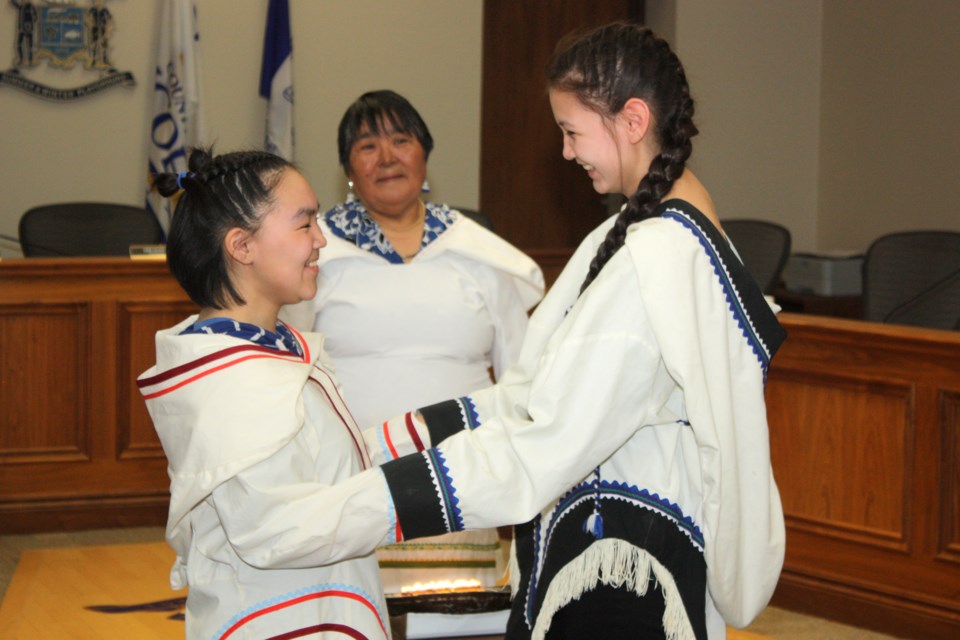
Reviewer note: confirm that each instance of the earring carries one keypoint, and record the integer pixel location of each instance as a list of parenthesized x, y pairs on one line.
[(351, 196), (426, 186)]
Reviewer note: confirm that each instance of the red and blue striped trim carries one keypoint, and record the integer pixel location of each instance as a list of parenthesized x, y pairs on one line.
[(282, 603), (173, 379)]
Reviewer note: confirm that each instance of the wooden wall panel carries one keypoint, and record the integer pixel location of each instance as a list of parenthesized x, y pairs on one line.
[(949, 541), (44, 361), (77, 449), (138, 324), (535, 198), (848, 483), (863, 428)]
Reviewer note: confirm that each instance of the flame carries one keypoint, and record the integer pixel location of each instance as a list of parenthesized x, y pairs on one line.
[(440, 586)]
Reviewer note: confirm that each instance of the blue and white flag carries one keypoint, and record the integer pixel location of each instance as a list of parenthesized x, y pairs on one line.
[(177, 123), (276, 79)]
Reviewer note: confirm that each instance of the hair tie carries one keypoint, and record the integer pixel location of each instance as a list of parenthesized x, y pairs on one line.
[(180, 176)]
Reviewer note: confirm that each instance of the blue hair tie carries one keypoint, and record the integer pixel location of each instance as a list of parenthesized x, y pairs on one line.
[(180, 176)]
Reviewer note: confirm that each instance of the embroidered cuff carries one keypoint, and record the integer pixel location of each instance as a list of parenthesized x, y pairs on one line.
[(449, 417), (423, 495)]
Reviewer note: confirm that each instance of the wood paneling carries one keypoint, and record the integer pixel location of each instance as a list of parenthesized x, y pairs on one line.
[(535, 198), (949, 547), (44, 347), (77, 448), (854, 479), (138, 323), (864, 430)]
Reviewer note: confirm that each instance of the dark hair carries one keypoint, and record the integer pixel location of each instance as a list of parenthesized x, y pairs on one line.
[(374, 109), (218, 193), (606, 67)]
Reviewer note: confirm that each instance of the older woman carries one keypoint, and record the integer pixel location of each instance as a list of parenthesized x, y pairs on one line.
[(418, 303)]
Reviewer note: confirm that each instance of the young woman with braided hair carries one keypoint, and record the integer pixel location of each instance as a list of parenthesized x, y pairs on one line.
[(251, 418), (633, 428)]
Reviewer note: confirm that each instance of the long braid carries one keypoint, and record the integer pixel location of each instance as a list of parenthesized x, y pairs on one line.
[(604, 69)]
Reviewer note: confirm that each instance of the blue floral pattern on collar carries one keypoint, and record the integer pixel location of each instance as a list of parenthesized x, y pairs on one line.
[(351, 222), (280, 340)]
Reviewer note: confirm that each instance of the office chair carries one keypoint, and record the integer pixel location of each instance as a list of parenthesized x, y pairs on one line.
[(763, 246), (477, 216), (910, 277), (86, 229), (937, 307)]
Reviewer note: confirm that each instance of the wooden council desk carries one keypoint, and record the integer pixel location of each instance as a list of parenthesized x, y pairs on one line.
[(77, 447), (865, 442), (864, 429)]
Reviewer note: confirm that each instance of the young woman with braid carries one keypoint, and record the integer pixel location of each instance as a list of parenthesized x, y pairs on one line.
[(251, 418), (633, 429)]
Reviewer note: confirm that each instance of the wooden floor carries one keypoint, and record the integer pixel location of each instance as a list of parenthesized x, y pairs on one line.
[(109, 591), (52, 590)]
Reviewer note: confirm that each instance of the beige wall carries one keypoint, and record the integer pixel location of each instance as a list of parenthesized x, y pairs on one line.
[(753, 68), (890, 113), (836, 118), (95, 148)]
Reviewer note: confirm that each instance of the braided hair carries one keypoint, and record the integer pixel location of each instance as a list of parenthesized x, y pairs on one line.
[(605, 68), (217, 194)]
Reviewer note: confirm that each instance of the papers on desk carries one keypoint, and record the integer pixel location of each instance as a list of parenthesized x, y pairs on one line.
[(148, 252), (444, 625)]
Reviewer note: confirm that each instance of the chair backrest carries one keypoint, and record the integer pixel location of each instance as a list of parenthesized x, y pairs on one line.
[(86, 229), (906, 268), (763, 246), (936, 308), (477, 216)]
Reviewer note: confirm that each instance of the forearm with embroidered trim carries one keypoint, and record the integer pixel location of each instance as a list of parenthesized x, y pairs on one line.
[(420, 495)]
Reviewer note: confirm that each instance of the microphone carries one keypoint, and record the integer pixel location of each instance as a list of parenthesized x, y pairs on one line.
[(33, 245)]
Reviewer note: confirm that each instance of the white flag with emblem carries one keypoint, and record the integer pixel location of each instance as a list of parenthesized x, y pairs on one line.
[(177, 123)]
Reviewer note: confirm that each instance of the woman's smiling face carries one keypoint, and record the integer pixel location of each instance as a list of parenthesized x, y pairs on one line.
[(387, 170), (287, 244), (591, 141)]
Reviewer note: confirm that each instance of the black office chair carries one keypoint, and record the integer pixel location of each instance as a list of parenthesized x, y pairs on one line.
[(86, 229), (477, 216), (910, 277), (763, 246), (937, 307)]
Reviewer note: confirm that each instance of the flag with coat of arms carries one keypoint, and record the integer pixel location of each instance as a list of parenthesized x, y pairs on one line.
[(177, 124), (276, 79)]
